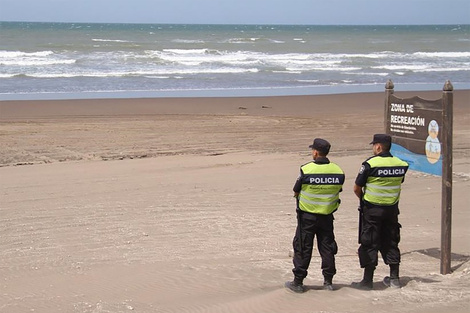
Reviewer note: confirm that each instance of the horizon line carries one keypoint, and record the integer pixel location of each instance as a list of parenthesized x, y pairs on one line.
[(231, 24)]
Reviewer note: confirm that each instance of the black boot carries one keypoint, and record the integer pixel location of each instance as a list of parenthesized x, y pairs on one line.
[(328, 283), (367, 281), (296, 286), (393, 281)]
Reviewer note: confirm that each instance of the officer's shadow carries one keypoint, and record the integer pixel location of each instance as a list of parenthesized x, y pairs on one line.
[(378, 284), (458, 259)]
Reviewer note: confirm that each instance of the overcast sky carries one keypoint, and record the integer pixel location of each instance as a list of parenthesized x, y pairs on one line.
[(356, 12)]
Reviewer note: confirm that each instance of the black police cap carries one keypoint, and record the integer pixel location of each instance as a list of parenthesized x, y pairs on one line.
[(320, 145), (381, 138)]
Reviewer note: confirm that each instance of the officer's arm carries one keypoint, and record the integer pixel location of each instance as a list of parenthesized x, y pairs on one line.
[(361, 179), (358, 191), (298, 185)]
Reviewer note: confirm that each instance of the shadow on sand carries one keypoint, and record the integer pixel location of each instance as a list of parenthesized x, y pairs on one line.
[(436, 253)]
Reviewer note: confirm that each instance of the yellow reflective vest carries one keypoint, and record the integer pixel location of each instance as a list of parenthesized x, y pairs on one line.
[(383, 184), (321, 185)]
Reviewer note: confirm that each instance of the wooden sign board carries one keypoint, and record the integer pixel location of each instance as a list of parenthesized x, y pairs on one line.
[(415, 125)]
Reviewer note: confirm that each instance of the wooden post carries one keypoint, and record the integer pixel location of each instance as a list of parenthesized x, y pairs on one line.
[(388, 92), (446, 206)]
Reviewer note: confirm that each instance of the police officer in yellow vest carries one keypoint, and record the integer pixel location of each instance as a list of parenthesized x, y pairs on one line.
[(317, 191), (378, 187)]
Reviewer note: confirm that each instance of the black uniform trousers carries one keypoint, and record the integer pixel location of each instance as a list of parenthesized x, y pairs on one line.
[(308, 226), (380, 232)]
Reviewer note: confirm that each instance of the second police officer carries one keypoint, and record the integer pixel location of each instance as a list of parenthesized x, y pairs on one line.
[(378, 186)]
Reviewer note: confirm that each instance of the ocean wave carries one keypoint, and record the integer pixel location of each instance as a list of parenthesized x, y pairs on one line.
[(421, 68), (308, 80), (17, 54), (443, 54), (186, 51), (155, 74), (242, 40), (35, 62), (401, 55), (361, 73), (323, 69), (404, 67), (16, 59), (190, 41), (371, 55), (199, 56), (109, 40), (443, 69), (290, 71), (5, 75)]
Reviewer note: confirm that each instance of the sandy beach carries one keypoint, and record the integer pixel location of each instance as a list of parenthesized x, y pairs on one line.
[(185, 205)]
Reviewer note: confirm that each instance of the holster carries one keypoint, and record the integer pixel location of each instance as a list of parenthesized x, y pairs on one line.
[(360, 209)]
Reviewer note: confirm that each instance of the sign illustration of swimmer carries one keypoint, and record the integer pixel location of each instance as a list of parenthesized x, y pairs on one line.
[(433, 146)]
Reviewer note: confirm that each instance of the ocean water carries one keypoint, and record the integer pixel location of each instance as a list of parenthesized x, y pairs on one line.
[(65, 60)]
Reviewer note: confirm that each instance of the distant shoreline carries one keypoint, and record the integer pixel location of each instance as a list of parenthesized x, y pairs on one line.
[(225, 93)]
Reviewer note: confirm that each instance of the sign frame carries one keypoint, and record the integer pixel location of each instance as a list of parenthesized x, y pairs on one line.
[(406, 121)]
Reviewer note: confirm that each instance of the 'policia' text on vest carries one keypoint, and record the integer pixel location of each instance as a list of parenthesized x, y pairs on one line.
[(391, 172), (324, 180)]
